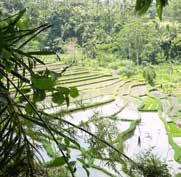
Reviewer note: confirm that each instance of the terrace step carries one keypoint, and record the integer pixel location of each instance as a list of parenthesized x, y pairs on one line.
[(64, 78), (177, 140), (98, 81), (57, 68), (15, 80), (67, 81), (89, 104), (81, 82)]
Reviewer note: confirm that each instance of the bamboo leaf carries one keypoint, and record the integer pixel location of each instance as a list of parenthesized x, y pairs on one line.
[(57, 162), (142, 6), (19, 16)]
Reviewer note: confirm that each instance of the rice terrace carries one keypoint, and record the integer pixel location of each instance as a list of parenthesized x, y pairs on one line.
[(90, 88), (123, 109)]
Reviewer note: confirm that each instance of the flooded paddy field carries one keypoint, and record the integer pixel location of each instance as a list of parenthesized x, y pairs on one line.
[(125, 113)]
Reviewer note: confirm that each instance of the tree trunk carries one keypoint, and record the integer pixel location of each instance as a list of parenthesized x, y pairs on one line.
[(137, 58)]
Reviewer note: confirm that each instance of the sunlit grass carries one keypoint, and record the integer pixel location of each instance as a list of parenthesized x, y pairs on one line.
[(174, 129)]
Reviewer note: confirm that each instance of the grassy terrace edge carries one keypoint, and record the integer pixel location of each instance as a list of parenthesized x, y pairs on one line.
[(176, 148)]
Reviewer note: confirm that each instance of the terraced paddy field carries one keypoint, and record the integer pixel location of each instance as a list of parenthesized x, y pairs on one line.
[(128, 114)]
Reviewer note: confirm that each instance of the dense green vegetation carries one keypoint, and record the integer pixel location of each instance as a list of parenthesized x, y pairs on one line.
[(108, 31), (152, 166), (103, 51)]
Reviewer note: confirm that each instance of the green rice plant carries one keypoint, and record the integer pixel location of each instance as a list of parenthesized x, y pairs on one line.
[(177, 149), (123, 136), (150, 104), (176, 131)]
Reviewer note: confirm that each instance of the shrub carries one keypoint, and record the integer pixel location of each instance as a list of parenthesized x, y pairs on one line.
[(149, 165), (114, 65), (149, 74), (129, 70)]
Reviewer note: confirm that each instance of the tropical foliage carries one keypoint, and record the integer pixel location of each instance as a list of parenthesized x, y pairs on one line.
[(103, 34), (23, 125)]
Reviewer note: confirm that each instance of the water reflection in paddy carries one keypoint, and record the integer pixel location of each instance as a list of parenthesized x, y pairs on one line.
[(153, 136), (150, 130)]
